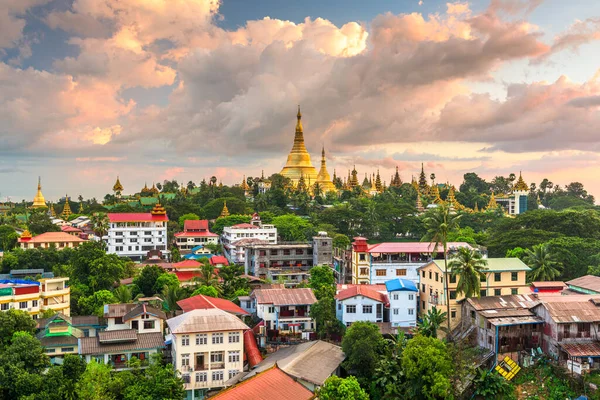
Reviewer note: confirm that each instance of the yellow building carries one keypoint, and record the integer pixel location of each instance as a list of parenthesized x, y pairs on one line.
[(60, 240), (298, 162), (36, 297), (504, 276)]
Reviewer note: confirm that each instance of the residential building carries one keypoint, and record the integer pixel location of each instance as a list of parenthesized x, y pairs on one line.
[(71, 230), (194, 233), (35, 297), (233, 235), (58, 240), (59, 334), (207, 347), (548, 287), (270, 384), (342, 264), (139, 317), (378, 263), (309, 363), (218, 261), (403, 302), (290, 261), (503, 276), (285, 309), (133, 235), (198, 252), (202, 302), (362, 303), (588, 284), (505, 325)]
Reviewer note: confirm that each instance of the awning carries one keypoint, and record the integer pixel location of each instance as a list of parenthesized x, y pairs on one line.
[(588, 349), (293, 324)]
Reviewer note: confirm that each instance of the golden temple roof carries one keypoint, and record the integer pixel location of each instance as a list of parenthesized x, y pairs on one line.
[(521, 185), (39, 201), (117, 186), (66, 209), (492, 203), (26, 234), (323, 178), (244, 185), (158, 210), (225, 211), (298, 162)]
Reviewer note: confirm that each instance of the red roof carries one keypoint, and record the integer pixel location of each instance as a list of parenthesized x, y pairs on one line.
[(185, 276), (202, 302), (268, 385), (216, 260), (362, 290), (136, 217), (52, 237), (195, 225), (245, 226), (196, 234), (251, 348), (69, 228), (187, 264), (411, 247)]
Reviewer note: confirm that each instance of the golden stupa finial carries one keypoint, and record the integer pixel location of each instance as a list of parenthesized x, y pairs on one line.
[(492, 203), (225, 211), (299, 123), (38, 200)]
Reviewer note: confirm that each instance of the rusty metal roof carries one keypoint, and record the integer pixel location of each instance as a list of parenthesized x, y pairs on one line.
[(120, 335), (284, 297), (206, 320), (573, 311), (516, 301), (586, 349), (117, 310), (523, 312), (143, 341), (549, 284), (516, 320), (588, 282)]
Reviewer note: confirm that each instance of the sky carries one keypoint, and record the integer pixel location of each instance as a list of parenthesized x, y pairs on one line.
[(189, 89)]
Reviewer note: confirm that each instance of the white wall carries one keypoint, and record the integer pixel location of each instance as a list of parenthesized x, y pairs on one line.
[(136, 236), (403, 301), (411, 272), (359, 302)]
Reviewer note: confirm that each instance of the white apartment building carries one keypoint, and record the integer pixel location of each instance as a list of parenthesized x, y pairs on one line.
[(361, 303), (403, 297), (236, 237), (133, 235), (285, 309), (207, 346), (36, 297)]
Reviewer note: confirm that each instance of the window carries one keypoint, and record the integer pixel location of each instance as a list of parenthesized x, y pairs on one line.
[(514, 291), (233, 373), (234, 337), (423, 274), (514, 276), (148, 324), (201, 377), (234, 356), (400, 272), (483, 293), (201, 338), (34, 303), (217, 375), (497, 292), (453, 295), (340, 306), (497, 276), (299, 252), (483, 278), (50, 350), (351, 309), (118, 320), (217, 338), (430, 274), (4, 306), (185, 360), (216, 357), (364, 271), (380, 272), (185, 340), (67, 349), (286, 252), (423, 287), (23, 304), (395, 311), (367, 309), (395, 296), (453, 314), (362, 257), (411, 297), (271, 310), (411, 311), (437, 276)]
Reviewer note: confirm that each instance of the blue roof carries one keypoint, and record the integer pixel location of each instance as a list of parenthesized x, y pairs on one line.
[(400, 284), (192, 256), (199, 247)]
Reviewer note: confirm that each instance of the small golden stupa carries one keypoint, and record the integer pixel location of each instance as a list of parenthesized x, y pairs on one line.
[(38, 200), (323, 178), (298, 162)]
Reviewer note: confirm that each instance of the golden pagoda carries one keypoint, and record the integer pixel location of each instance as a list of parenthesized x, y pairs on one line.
[(52, 212), (354, 179), (434, 193), (492, 203), (80, 207), (67, 209), (117, 187), (396, 181), (158, 210), (153, 189), (26, 234), (521, 186), (476, 209), (298, 162), (323, 178), (38, 200), (225, 211), (378, 184)]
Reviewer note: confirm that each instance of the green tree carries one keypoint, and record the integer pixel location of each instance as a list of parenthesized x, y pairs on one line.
[(322, 282), (40, 222), (517, 252), (427, 366), (230, 220), (327, 324), (167, 279), (543, 264), (175, 255), (105, 272), (469, 266), (123, 294), (146, 280), (206, 291), (156, 382), (231, 276), (341, 241), (187, 217), (440, 222), (292, 228), (336, 388), (99, 221), (12, 321), (171, 295), (96, 383), (207, 276), (94, 304), (363, 345), (8, 237), (432, 322), (21, 365), (491, 385)]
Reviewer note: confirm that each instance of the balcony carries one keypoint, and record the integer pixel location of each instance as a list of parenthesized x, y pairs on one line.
[(217, 365), (56, 292)]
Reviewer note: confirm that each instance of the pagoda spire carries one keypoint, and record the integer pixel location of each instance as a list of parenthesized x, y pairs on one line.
[(298, 161), (323, 179), (423, 186), (419, 203), (39, 201), (66, 209), (52, 212), (476, 209), (224, 211), (80, 208), (378, 184), (492, 203), (118, 188), (521, 186)]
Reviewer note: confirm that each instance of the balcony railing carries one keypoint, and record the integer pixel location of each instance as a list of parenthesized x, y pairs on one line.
[(217, 365)]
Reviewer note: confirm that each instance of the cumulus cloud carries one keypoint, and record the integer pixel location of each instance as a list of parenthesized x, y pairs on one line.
[(578, 34)]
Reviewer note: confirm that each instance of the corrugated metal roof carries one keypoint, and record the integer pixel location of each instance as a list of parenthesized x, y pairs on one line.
[(586, 349), (144, 341), (121, 335), (549, 284), (412, 247), (205, 320), (398, 284), (573, 311), (495, 264), (516, 301), (285, 297), (507, 313), (205, 302), (359, 290), (589, 282), (117, 310), (516, 321), (271, 384)]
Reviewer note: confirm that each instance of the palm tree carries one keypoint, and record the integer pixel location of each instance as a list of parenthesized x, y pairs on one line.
[(171, 295), (432, 322), (544, 266), (123, 294), (470, 266), (207, 276), (100, 223), (439, 223)]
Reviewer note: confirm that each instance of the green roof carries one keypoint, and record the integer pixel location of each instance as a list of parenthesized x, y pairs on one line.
[(148, 201), (495, 264), (168, 196)]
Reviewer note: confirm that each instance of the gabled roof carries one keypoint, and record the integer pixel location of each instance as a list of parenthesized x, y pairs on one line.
[(52, 237), (69, 228), (215, 260), (360, 290), (144, 309), (187, 264), (208, 320), (117, 310), (312, 361), (508, 264), (244, 226), (284, 297), (136, 217), (202, 302), (268, 385), (573, 311), (587, 282), (396, 285), (516, 301), (143, 341), (196, 234), (195, 225)]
